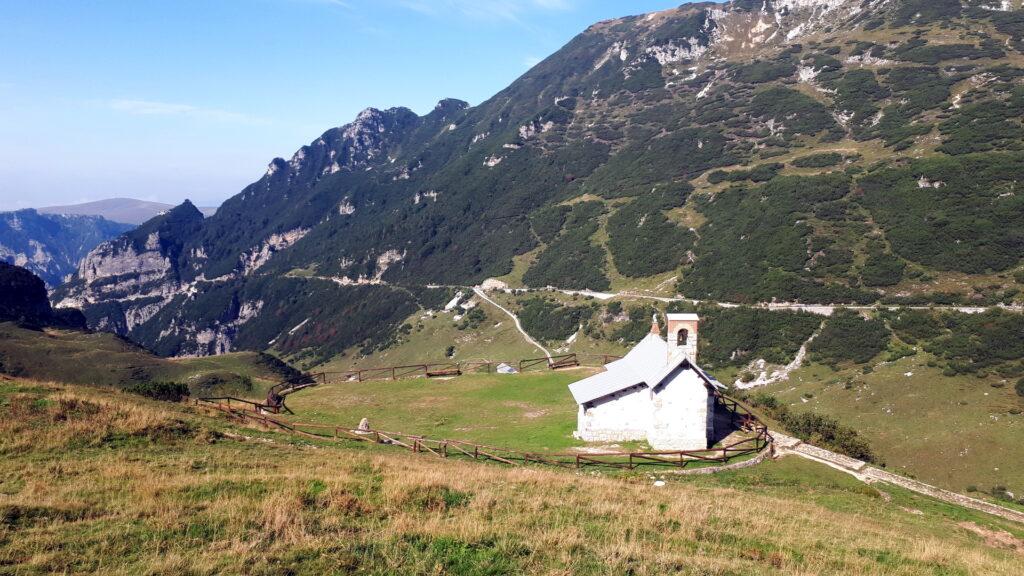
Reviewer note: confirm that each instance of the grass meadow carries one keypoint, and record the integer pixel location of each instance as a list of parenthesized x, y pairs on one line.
[(95, 482)]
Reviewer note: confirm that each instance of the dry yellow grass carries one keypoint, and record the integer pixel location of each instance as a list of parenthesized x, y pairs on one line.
[(110, 489)]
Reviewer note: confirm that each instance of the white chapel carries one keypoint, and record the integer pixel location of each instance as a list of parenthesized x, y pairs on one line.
[(655, 393)]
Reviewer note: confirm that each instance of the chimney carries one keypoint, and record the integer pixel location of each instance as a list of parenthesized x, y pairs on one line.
[(655, 329)]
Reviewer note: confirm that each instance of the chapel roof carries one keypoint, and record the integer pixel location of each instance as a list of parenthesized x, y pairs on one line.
[(648, 363)]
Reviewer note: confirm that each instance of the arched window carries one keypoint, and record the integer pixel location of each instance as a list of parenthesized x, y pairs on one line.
[(681, 337)]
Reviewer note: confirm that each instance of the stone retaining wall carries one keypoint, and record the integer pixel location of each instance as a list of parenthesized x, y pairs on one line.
[(789, 445)]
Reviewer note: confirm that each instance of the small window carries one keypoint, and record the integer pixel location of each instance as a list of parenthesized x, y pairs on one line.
[(681, 337)]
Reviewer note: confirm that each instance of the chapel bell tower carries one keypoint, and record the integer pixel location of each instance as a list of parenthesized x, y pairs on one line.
[(682, 334)]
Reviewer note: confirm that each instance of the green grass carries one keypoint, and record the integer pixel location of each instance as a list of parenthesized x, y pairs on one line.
[(496, 339), (524, 411), (106, 360), (954, 432), (183, 498)]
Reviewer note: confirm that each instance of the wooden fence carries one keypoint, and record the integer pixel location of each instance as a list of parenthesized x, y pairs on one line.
[(741, 417)]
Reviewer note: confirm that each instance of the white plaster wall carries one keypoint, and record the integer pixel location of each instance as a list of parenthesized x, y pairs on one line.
[(680, 416), (620, 417)]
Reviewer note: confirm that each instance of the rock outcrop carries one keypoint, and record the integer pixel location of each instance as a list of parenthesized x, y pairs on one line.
[(23, 299)]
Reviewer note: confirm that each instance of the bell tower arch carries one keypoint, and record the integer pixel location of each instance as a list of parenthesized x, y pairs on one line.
[(682, 334)]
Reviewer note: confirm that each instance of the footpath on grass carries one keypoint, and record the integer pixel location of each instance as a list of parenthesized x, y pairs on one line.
[(479, 292), (866, 473)]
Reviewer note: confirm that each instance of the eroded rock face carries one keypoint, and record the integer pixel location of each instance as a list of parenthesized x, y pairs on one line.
[(122, 259), (260, 255), (705, 33)]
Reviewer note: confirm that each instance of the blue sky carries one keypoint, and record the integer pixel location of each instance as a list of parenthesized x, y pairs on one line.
[(167, 100)]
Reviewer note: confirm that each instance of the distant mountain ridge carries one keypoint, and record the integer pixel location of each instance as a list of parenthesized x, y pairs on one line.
[(52, 246), (819, 151), (123, 210)]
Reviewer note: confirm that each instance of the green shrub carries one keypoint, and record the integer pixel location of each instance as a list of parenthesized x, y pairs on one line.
[(735, 336), (817, 429), (827, 432), (982, 127), (760, 72), (571, 260), (913, 325), (755, 244), (547, 320), (849, 337), (643, 241), (969, 223), (823, 160), (665, 162), (799, 113), (898, 351), (856, 93), (1020, 387), (472, 319), (882, 270), (909, 12), (638, 327), (548, 222), (167, 391), (977, 342)]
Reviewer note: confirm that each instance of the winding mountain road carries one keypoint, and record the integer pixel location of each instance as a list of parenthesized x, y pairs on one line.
[(819, 309)]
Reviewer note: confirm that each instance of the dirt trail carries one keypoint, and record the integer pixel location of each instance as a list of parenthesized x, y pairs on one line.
[(483, 295)]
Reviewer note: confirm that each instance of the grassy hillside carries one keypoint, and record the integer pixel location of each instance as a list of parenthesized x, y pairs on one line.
[(107, 360), (958, 432), (425, 336), (94, 483)]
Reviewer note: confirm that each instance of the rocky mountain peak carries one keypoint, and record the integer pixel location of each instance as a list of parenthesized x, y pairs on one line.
[(451, 105), (186, 211), (359, 145)]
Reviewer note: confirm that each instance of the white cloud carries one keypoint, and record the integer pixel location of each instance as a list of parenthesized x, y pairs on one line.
[(155, 108), (509, 10), (531, 61)]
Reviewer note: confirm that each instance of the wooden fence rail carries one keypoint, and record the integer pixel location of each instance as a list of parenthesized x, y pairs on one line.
[(447, 448)]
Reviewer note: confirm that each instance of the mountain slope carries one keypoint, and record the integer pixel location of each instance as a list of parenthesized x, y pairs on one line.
[(52, 246), (845, 151), (125, 210)]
